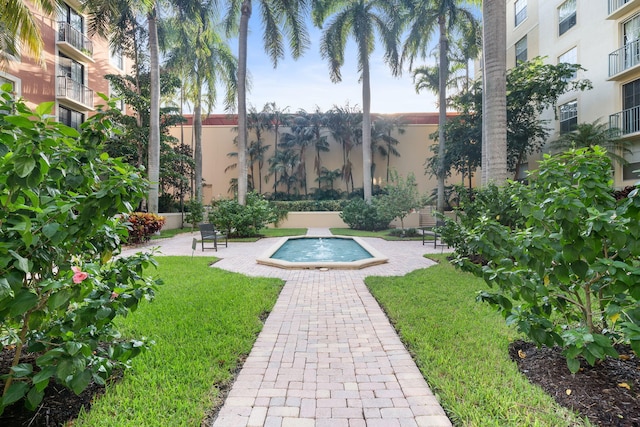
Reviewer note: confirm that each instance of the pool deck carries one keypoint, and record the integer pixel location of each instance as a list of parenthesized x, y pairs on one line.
[(327, 354)]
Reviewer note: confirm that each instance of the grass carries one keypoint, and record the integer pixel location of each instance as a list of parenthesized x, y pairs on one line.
[(383, 234), (164, 234), (203, 320), (461, 347)]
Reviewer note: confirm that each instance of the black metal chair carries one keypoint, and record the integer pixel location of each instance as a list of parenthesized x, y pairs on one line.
[(208, 233)]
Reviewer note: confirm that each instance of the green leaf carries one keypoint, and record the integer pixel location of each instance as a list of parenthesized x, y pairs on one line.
[(23, 166), (22, 370), (34, 397), (23, 302), (81, 381), (580, 268), (16, 391), (573, 365), (49, 230), (44, 108), (21, 263), (44, 374), (58, 299), (5, 289)]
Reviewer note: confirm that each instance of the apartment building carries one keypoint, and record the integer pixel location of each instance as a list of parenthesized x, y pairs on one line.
[(74, 66), (604, 37)]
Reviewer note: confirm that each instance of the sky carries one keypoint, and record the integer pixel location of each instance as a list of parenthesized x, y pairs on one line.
[(305, 83)]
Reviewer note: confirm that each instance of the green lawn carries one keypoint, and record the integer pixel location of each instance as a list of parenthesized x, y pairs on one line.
[(203, 320), (460, 346)]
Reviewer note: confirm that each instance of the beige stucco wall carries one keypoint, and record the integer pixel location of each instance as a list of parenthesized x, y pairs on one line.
[(217, 143)]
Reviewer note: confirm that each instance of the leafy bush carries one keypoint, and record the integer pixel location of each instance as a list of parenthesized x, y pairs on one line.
[(568, 274), (142, 226), (402, 197), (195, 212), (60, 288), (400, 232), (311, 205), (360, 215), (243, 221)]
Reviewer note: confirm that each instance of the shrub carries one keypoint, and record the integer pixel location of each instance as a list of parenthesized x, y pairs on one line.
[(311, 205), (142, 226), (402, 197), (243, 221), (568, 274), (60, 288), (400, 232), (360, 215), (195, 212)]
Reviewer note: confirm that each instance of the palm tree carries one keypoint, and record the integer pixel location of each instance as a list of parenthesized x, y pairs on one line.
[(18, 28), (317, 126), (361, 19), (106, 19), (299, 137), (423, 18), (382, 129), (198, 49), (279, 17), (284, 165), (592, 134), (494, 77), (345, 126), (274, 117)]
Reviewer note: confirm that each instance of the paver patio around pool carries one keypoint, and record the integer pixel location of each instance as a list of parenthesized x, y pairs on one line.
[(327, 355)]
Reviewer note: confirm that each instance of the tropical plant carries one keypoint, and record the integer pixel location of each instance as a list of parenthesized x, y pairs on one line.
[(275, 117), (344, 124), (592, 134), (205, 61), (284, 164), (361, 19), (60, 287), (280, 18), (243, 220), (360, 215), (402, 196), (424, 17), (19, 28), (565, 272), (382, 141)]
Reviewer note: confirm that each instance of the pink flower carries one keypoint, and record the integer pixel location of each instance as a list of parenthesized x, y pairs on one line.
[(78, 275), (114, 295)]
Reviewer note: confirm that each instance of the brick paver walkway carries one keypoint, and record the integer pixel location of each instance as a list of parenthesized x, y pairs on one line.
[(327, 355)]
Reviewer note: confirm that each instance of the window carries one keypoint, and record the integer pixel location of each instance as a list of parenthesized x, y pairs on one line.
[(521, 11), (120, 105), (568, 116), (5, 81), (566, 16), (521, 50), (569, 57), (116, 58), (631, 107), (71, 17), (70, 117), (69, 68), (630, 170)]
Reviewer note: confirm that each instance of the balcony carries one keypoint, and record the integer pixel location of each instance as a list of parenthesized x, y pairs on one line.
[(74, 94), (619, 8), (74, 43), (624, 61), (626, 123)]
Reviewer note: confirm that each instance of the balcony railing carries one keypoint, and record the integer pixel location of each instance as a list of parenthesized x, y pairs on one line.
[(624, 58), (75, 91), (69, 34), (616, 4), (625, 122)]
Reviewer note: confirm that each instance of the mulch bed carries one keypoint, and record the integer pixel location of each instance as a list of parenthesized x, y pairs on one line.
[(607, 393)]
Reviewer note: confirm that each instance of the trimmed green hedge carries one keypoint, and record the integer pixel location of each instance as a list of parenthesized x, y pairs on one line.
[(311, 205)]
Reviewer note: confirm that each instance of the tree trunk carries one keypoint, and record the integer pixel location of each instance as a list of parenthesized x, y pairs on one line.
[(242, 102), (197, 155), (494, 111), (442, 111), (154, 119), (366, 131)]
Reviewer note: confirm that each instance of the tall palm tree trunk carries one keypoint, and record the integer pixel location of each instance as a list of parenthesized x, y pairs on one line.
[(197, 155), (242, 102), (442, 111), (154, 119), (366, 132), (494, 112)]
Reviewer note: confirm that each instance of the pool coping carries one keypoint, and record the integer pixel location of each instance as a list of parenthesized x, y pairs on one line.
[(376, 257)]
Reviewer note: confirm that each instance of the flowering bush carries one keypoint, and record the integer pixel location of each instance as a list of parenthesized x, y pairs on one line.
[(60, 287), (142, 226)]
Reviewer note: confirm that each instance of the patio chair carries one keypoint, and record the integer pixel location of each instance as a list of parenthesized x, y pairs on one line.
[(428, 224), (209, 234)]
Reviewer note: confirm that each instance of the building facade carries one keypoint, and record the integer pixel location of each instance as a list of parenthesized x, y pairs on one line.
[(74, 66), (603, 36)]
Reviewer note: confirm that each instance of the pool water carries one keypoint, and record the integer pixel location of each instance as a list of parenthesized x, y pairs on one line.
[(321, 249)]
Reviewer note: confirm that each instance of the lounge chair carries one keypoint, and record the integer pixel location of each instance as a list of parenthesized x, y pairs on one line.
[(208, 233)]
